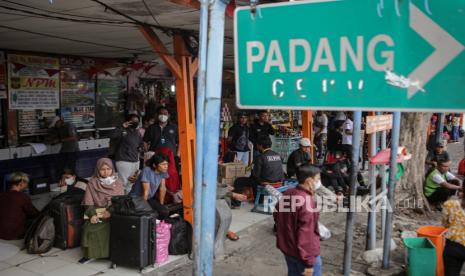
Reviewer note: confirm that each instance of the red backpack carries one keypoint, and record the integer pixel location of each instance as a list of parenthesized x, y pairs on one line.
[(462, 167)]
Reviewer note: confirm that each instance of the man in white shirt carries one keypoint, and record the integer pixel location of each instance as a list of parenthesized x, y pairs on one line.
[(321, 132), (348, 129)]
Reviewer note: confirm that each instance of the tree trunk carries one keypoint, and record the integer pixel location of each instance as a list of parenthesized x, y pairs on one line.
[(413, 135)]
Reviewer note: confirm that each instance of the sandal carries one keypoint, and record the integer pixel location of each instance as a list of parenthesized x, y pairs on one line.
[(232, 236)]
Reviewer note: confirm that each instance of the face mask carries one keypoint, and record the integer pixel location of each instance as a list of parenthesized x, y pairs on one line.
[(107, 180), (69, 181), (317, 185), (134, 125), (163, 118)]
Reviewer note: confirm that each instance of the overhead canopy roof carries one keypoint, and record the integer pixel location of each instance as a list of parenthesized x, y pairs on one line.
[(88, 28)]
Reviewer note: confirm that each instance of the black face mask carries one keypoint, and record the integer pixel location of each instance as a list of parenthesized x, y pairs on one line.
[(134, 125)]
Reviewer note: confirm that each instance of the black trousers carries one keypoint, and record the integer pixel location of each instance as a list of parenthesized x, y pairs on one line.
[(240, 183), (440, 195), (454, 257)]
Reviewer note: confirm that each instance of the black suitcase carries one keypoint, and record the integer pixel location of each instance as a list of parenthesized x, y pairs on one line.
[(165, 211), (68, 215), (132, 240)]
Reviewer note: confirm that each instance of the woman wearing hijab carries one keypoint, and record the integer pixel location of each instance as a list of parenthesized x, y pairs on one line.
[(101, 188)]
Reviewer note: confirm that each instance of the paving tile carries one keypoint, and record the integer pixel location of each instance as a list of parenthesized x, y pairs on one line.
[(20, 258), (17, 271), (237, 226), (44, 265), (4, 265), (99, 265), (72, 255), (72, 270), (123, 271)]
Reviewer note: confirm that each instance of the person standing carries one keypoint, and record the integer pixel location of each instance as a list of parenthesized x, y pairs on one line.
[(127, 143), (455, 128), (162, 133), (66, 134), (453, 218), (238, 139), (321, 132), (297, 233), (261, 127), (348, 129)]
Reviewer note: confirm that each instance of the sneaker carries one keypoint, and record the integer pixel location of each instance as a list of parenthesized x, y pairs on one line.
[(85, 260)]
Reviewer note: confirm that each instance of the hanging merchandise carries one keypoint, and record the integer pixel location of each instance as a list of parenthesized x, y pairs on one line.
[(33, 82)]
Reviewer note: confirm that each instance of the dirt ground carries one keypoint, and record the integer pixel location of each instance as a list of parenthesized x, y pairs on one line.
[(256, 253)]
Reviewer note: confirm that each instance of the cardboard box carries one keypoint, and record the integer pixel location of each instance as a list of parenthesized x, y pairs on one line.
[(231, 170)]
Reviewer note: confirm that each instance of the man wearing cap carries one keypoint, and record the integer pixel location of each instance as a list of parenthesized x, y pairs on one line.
[(439, 153), (299, 157), (66, 134)]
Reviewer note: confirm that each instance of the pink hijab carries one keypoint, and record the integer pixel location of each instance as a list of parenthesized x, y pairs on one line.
[(99, 194)]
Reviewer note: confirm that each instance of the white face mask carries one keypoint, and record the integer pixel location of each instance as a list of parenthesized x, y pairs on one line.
[(69, 181), (108, 180), (163, 118), (317, 185)]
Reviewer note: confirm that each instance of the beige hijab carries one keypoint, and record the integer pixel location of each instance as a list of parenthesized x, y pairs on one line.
[(99, 194)]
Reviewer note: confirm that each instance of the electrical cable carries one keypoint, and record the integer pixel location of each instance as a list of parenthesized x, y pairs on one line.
[(151, 13), (86, 42), (61, 13)]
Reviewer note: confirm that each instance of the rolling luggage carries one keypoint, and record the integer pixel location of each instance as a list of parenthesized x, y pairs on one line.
[(132, 240), (165, 211), (68, 215)]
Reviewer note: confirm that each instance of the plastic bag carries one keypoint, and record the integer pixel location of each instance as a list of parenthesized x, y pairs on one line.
[(163, 231), (325, 233)]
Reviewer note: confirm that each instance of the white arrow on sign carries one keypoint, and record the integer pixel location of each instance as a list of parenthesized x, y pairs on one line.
[(446, 48)]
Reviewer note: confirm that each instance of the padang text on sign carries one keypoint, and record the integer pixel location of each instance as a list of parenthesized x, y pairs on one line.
[(378, 52)]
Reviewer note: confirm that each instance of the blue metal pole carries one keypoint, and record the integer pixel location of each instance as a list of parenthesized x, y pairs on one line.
[(211, 132), (201, 80), (371, 233), (353, 191), (391, 187)]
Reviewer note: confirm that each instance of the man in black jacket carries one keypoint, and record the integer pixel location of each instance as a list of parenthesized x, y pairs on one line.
[(299, 157), (267, 170)]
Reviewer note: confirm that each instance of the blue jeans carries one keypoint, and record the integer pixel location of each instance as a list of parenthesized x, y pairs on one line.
[(296, 267)]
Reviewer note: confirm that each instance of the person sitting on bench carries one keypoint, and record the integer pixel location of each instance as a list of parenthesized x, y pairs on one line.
[(15, 208), (267, 170), (151, 179), (440, 183), (70, 184)]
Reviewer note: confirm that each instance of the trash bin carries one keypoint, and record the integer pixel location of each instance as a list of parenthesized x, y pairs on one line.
[(436, 235), (421, 257)]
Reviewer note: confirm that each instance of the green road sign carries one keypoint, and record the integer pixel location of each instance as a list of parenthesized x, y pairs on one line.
[(351, 55)]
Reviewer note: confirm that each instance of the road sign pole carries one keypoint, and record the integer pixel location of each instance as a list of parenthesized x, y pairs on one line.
[(391, 187), (371, 233), (201, 82), (211, 111), (353, 191)]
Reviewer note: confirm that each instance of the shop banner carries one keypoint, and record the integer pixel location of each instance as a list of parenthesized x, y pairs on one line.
[(110, 100), (33, 82), (77, 97), (2, 76)]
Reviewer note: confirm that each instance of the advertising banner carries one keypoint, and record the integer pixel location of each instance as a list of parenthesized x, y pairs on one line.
[(33, 82)]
